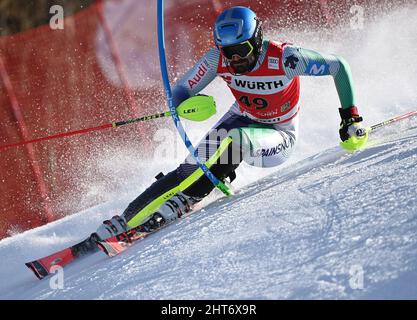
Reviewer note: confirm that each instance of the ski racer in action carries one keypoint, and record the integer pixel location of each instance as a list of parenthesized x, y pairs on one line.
[(260, 128)]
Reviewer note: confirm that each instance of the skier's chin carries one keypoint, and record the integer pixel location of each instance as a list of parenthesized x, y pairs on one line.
[(241, 66)]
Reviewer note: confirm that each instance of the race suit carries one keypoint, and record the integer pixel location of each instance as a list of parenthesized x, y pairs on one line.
[(261, 126)]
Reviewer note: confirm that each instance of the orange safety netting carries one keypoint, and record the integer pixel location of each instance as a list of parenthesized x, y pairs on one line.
[(57, 84)]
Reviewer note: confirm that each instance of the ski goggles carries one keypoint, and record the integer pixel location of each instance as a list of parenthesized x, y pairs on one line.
[(243, 50)]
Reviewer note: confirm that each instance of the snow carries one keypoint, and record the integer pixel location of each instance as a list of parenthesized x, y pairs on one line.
[(327, 225)]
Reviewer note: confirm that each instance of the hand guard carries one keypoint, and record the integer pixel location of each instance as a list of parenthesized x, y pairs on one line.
[(197, 108), (352, 133)]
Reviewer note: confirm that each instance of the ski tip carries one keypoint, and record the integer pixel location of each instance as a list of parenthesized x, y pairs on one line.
[(39, 271)]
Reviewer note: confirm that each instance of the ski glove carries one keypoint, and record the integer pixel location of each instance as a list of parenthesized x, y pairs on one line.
[(354, 136), (351, 124)]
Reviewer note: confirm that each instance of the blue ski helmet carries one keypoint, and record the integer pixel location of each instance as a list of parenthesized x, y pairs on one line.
[(236, 26)]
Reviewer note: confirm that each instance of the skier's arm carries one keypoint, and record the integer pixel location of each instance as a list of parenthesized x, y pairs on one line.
[(305, 62), (196, 78)]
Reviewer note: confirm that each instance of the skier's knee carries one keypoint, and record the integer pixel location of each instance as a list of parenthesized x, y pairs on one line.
[(266, 147), (226, 162)]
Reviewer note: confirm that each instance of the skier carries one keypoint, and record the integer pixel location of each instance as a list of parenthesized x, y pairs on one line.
[(261, 127)]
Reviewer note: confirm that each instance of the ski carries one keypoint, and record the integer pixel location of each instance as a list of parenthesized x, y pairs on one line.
[(45, 266)]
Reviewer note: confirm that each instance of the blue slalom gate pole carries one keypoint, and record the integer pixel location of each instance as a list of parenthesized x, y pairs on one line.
[(165, 78)]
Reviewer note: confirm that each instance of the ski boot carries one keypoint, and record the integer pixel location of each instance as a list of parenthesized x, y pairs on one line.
[(170, 211), (111, 228)]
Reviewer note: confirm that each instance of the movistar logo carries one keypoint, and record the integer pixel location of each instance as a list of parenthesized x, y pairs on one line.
[(259, 85), (317, 69)]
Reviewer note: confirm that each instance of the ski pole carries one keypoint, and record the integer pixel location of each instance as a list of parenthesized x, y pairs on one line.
[(197, 108), (357, 143), (387, 122)]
